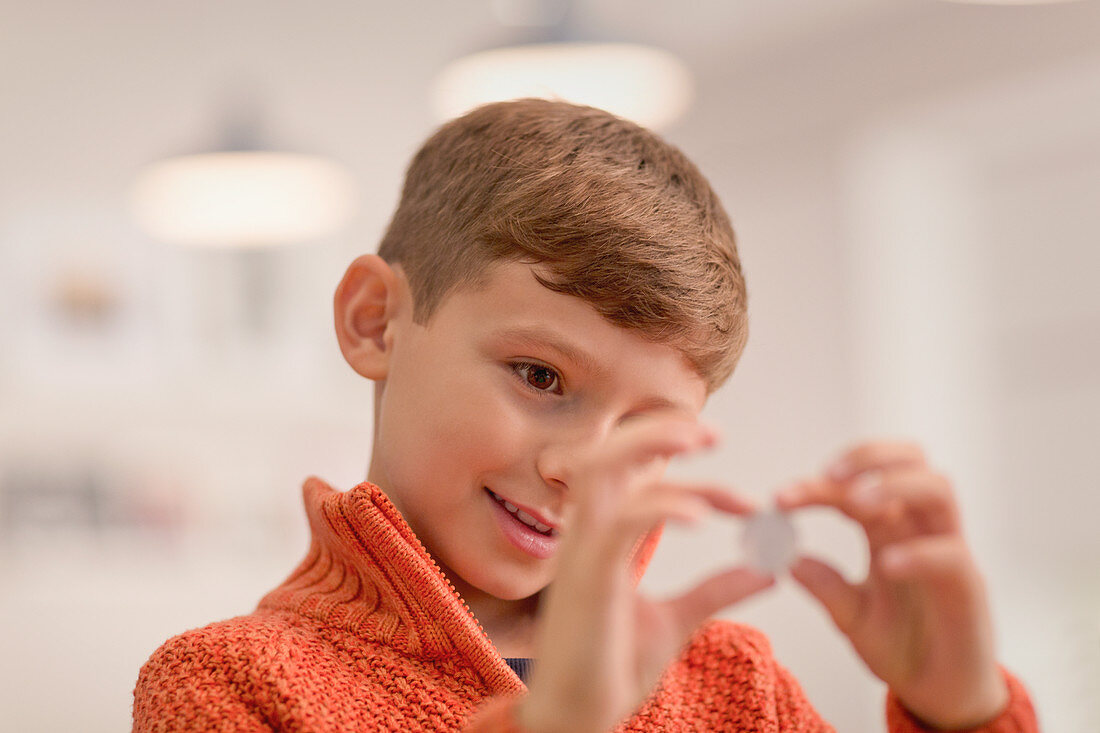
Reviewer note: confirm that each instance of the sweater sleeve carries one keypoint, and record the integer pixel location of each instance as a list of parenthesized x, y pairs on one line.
[(796, 713), (793, 709), (183, 688), (1018, 715)]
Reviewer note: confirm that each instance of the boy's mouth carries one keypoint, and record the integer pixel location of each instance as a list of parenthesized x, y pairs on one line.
[(522, 530), (523, 516)]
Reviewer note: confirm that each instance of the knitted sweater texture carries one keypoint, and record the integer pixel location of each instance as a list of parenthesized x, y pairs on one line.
[(368, 635)]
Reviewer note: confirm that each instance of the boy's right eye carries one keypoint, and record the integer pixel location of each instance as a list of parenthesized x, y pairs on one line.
[(538, 377)]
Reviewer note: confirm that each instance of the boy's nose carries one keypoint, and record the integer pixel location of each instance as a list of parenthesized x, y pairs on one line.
[(554, 465), (561, 457)]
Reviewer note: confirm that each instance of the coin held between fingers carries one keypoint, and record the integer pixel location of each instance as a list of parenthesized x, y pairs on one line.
[(768, 541)]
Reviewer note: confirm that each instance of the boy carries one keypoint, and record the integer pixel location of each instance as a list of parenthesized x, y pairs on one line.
[(557, 295)]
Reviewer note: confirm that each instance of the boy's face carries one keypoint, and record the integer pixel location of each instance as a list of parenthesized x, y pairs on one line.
[(490, 402)]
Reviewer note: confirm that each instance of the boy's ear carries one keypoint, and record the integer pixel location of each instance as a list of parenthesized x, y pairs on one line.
[(365, 304)]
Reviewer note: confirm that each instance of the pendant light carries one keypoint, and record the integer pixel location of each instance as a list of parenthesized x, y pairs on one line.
[(646, 84), (242, 194)]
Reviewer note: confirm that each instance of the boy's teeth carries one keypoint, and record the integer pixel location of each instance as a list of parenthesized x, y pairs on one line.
[(522, 516)]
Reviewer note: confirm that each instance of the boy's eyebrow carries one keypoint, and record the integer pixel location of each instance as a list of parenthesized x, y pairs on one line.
[(536, 337)]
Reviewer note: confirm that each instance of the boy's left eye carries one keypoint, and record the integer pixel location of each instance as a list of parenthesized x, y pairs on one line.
[(538, 377)]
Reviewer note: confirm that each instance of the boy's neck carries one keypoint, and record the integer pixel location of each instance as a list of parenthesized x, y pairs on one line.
[(510, 625)]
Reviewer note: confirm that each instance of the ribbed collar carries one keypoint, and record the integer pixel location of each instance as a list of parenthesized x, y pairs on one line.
[(367, 573)]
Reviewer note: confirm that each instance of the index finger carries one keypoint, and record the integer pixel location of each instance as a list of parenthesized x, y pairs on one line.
[(719, 497), (826, 492), (875, 455), (662, 436)]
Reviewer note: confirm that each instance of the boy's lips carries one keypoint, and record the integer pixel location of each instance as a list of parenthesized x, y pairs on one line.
[(528, 515), (523, 532)]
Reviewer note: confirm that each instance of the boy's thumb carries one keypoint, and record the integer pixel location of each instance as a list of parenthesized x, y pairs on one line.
[(840, 598), (715, 593)]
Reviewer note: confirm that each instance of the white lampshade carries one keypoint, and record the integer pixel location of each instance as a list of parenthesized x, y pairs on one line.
[(249, 198), (647, 85)]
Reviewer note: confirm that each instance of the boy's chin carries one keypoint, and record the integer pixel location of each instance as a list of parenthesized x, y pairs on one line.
[(513, 592), (509, 589), (520, 596)]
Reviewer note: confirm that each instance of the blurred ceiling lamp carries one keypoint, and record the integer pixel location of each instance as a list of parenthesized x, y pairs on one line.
[(242, 196), (645, 84)]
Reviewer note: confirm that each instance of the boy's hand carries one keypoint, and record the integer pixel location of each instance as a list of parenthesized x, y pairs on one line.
[(602, 646), (920, 620)]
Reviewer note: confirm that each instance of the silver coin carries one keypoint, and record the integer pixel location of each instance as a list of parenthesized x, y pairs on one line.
[(768, 541)]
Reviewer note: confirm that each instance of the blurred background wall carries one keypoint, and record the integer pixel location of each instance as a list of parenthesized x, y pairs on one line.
[(914, 186)]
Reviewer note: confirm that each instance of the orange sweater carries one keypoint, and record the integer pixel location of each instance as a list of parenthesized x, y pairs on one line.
[(367, 634)]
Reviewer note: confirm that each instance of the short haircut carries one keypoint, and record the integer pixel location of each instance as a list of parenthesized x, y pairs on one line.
[(616, 215)]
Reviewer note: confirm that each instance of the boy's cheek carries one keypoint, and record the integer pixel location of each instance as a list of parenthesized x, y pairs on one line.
[(484, 436)]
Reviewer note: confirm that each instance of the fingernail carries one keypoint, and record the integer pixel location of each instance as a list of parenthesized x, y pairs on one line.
[(867, 490)]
